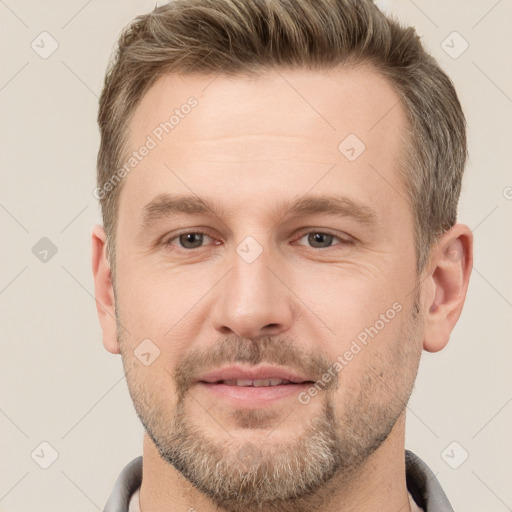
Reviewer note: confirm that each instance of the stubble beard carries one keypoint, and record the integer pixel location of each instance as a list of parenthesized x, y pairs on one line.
[(240, 476)]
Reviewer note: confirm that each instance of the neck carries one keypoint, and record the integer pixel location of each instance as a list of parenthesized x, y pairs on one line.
[(379, 484)]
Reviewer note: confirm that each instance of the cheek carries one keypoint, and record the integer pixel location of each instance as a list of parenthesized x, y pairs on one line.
[(166, 308), (151, 388), (351, 299), (155, 303), (379, 365), (368, 313)]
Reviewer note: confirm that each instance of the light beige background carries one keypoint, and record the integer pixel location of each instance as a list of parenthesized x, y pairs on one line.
[(57, 382)]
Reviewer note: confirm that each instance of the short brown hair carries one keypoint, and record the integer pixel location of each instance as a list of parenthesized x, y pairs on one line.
[(248, 36)]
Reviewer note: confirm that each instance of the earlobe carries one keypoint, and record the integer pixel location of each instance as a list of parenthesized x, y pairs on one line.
[(104, 292), (450, 264)]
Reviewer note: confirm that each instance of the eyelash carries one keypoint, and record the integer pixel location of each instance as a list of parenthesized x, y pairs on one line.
[(167, 243), (199, 231), (343, 241)]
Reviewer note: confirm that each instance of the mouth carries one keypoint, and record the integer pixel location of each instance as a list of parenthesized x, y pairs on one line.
[(255, 387), (258, 383), (257, 376)]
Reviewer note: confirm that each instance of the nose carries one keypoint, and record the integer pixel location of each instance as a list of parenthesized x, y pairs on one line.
[(252, 300)]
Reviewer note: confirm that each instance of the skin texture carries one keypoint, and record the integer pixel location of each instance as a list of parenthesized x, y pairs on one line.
[(252, 146)]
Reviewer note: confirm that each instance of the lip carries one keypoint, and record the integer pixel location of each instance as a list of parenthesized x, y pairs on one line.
[(250, 397), (254, 373), (253, 397)]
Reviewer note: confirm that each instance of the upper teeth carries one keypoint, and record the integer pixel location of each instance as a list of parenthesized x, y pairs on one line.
[(255, 383)]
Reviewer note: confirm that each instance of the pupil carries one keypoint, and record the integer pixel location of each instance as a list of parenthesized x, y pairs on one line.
[(191, 240), (316, 239)]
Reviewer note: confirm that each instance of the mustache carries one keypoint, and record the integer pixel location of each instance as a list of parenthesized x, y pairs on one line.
[(265, 349)]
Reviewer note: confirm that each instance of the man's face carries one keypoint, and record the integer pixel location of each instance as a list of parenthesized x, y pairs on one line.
[(250, 289)]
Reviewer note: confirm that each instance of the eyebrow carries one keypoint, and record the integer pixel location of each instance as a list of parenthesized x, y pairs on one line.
[(166, 205)]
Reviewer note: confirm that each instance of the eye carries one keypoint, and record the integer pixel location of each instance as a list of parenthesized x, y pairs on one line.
[(321, 239), (189, 240)]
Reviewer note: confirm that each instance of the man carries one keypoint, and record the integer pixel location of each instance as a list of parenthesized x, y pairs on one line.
[(279, 184)]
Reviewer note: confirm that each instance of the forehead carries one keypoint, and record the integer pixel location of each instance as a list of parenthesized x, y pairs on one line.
[(355, 98), (285, 128)]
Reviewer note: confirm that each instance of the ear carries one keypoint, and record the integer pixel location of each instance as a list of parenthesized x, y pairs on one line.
[(104, 291), (450, 268)]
